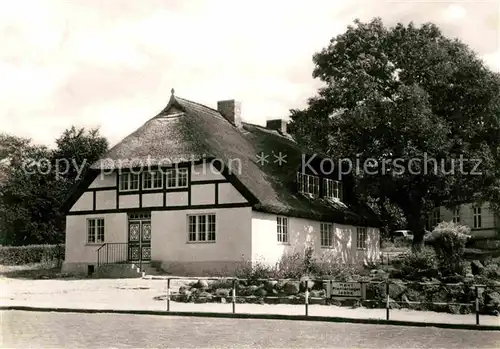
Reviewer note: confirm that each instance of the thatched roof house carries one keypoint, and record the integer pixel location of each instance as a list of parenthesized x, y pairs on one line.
[(148, 197), (186, 131)]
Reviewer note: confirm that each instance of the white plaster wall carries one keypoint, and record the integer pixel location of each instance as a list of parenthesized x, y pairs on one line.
[(170, 236), (304, 233), (84, 203), (228, 194), (205, 172), (488, 222), (203, 194), (152, 200), (129, 201), (105, 200), (104, 180), (372, 252), (177, 199), (77, 248)]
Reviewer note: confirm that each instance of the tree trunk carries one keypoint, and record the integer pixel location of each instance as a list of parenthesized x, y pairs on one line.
[(416, 224)]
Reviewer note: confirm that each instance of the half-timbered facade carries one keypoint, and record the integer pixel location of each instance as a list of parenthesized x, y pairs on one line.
[(187, 191)]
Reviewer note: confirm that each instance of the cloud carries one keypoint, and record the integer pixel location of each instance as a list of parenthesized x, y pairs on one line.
[(112, 63)]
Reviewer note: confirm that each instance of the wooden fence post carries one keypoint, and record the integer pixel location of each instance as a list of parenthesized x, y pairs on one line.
[(168, 294), (306, 300), (233, 296), (387, 303), (477, 305)]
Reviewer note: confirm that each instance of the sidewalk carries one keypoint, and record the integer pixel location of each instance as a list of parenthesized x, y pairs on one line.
[(138, 295)]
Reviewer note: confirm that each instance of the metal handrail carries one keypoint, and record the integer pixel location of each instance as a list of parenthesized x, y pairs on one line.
[(112, 253)]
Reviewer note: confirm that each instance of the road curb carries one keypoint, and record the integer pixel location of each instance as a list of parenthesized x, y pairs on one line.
[(258, 316)]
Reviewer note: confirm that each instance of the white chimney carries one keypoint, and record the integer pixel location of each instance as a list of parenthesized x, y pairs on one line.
[(231, 110), (277, 125)]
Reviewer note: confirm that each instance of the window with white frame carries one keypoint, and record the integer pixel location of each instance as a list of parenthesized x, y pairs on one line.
[(129, 181), (326, 230), (177, 177), (476, 213), (308, 184), (456, 214), (152, 180), (282, 229), (201, 228), (361, 237), (95, 230), (332, 189)]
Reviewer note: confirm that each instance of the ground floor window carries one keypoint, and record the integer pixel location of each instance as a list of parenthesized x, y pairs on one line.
[(361, 237), (326, 230), (282, 229), (201, 228), (95, 230)]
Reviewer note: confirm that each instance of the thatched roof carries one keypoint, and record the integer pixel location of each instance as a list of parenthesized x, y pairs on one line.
[(188, 131)]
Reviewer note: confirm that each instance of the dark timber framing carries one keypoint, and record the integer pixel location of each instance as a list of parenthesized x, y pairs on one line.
[(141, 175), (216, 193), (229, 178), (117, 189), (162, 208), (189, 185)]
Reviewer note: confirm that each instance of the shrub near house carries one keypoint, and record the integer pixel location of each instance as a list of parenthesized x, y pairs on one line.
[(21, 255)]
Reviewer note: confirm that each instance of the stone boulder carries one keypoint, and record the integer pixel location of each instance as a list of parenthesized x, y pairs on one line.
[(492, 302), (183, 289), (203, 297), (310, 284), (201, 284), (223, 292), (477, 267), (270, 285), (260, 292), (291, 288)]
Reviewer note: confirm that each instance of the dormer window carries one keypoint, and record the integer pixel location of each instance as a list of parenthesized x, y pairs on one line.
[(308, 184), (332, 189)]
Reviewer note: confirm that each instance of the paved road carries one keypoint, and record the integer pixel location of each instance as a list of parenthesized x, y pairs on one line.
[(70, 330)]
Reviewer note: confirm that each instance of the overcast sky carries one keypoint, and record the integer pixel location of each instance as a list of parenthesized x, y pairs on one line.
[(113, 63)]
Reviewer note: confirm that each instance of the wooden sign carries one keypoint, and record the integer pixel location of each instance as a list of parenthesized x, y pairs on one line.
[(344, 289)]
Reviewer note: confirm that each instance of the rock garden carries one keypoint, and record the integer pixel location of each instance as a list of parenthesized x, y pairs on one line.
[(436, 278)]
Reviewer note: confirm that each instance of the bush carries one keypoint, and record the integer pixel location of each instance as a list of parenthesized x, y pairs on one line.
[(448, 240), (296, 265), (254, 272), (20, 255), (419, 263), (292, 266)]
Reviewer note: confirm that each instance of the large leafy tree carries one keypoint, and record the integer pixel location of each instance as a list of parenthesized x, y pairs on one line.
[(37, 180), (415, 109)]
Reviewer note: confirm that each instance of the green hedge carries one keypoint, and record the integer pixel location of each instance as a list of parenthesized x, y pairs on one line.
[(20, 255)]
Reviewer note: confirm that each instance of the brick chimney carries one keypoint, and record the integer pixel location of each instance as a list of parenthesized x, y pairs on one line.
[(231, 110), (277, 125)]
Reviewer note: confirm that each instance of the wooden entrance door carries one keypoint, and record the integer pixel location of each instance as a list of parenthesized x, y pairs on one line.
[(139, 237)]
